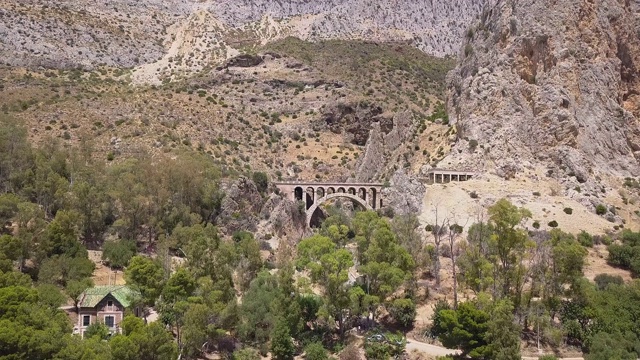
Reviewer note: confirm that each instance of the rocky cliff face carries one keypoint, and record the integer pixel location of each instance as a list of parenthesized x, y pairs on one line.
[(127, 33), (551, 82), (434, 26)]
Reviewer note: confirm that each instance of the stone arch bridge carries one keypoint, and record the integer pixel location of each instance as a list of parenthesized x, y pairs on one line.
[(368, 195)]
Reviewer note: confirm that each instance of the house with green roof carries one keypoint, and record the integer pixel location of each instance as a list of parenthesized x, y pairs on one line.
[(106, 304)]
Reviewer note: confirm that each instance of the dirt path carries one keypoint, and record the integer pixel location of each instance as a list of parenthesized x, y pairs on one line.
[(434, 350), (428, 348)]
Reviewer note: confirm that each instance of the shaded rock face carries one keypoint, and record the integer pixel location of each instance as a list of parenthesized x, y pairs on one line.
[(354, 120), (285, 218), (240, 207), (244, 61), (553, 82), (383, 145), (405, 194)]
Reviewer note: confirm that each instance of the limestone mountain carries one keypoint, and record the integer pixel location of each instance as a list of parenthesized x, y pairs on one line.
[(550, 84), (191, 34)]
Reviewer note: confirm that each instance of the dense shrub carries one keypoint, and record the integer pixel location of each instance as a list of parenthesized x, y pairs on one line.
[(403, 311), (603, 280), (585, 239), (261, 180), (601, 209), (315, 351)]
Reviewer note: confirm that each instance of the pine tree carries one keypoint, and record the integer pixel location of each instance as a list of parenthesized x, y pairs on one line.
[(281, 344)]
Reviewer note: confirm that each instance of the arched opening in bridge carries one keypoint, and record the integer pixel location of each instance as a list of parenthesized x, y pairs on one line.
[(297, 193), (311, 196), (352, 191), (320, 193), (347, 202), (341, 190), (362, 194), (374, 198), (331, 190)]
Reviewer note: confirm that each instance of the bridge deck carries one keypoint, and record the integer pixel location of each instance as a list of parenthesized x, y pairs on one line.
[(300, 183)]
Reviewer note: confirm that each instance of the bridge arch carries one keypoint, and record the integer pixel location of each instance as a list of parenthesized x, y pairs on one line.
[(320, 201)]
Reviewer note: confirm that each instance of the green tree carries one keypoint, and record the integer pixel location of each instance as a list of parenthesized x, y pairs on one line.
[(464, 328), (503, 334), (154, 343), (118, 253), (123, 348), (315, 351), (89, 348), (195, 332), (568, 259), (606, 346), (328, 267), (98, 330), (50, 296), (179, 286), (75, 288), (131, 324), (476, 268), (147, 276), (282, 347), (403, 311), (62, 235), (508, 246), (257, 313)]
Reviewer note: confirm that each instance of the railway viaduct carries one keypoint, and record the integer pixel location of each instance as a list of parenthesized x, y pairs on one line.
[(368, 195)]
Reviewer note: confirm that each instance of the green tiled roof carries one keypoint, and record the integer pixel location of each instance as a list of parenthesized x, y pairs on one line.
[(92, 296)]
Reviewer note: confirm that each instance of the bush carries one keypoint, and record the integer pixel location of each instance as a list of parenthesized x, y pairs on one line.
[(261, 180), (553, 224), (473, 195), (315, 351), (377, 351), (536, 193), (601, 209), (620, 255), (603, 280), (536, 224), (98, 330), (568, 210), (403, 312), (585, 239), (246, 354)]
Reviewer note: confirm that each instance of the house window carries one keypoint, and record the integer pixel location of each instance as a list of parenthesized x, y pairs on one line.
[(86, 320), (109, 304), (109, 321)]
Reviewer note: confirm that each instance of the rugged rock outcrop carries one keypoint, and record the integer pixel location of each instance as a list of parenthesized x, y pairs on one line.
[(405, 194), (384, 148), (354, 120), (240, 208), (551, 82)]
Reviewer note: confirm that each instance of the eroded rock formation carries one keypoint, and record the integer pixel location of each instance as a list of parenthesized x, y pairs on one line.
[(551, 82)]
